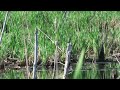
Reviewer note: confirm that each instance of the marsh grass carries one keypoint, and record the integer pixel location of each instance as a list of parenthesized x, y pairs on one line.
[(83, 27)]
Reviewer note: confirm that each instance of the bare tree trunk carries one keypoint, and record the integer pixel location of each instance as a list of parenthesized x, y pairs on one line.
[(68, 53), (35, 56)]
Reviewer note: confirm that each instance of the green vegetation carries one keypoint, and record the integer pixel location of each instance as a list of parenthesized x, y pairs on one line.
[(86, 30)]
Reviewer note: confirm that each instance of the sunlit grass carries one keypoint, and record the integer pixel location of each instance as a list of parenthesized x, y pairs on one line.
[(81, 26)]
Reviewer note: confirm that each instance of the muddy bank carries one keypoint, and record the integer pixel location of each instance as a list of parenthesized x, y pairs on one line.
[(14, 63)]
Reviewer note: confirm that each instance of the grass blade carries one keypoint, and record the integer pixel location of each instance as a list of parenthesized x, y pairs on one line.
[(79, 64)]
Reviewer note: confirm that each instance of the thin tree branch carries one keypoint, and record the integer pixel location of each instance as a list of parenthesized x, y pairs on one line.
[(3, 27)]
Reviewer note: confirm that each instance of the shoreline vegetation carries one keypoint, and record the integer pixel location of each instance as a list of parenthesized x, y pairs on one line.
[(94, 38)]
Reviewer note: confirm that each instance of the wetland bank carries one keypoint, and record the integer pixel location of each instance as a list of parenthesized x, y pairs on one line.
[(94, 36)]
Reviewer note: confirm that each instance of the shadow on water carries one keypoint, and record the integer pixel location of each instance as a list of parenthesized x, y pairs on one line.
[(101, 58)]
